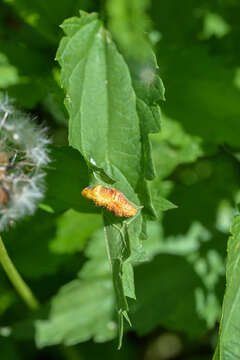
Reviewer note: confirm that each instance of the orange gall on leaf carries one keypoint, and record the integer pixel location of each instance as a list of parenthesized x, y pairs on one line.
[(110, 198)]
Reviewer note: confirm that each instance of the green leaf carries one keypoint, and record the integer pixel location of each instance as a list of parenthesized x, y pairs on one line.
[(172, 147), (8, 73), (118, 248), (104, 125), (128, 280), (89, 300), (215, 25), (149, 91), (162, 204), (82, 308), (75, 315), (72, 231), (229, 333), (216, 354)]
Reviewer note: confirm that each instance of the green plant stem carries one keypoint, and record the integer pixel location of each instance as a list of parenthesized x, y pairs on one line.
[(22, 288)]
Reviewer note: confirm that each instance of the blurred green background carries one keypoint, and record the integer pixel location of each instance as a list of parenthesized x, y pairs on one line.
[(62, 255)]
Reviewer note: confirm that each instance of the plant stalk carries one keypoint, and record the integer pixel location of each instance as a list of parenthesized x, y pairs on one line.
[(21, 287)]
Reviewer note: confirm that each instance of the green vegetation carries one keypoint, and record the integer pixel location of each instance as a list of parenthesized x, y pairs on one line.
[(141, 96)]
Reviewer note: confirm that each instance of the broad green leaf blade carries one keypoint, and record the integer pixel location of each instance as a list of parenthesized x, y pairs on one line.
[(229, 334), (104, 125), (75, 315), (83, 308)]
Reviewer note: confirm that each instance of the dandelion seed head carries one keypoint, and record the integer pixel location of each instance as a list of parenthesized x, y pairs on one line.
[(23, 156)]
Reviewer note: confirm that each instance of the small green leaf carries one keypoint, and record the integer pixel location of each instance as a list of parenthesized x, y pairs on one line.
[(162, 204)]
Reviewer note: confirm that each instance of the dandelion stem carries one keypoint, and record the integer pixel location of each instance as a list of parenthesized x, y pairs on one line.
[(22, 288)]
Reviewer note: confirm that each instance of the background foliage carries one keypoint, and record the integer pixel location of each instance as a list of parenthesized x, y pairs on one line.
[(61, 253)]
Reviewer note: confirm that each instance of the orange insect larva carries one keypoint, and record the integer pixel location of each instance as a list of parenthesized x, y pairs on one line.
[(110, 198)]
